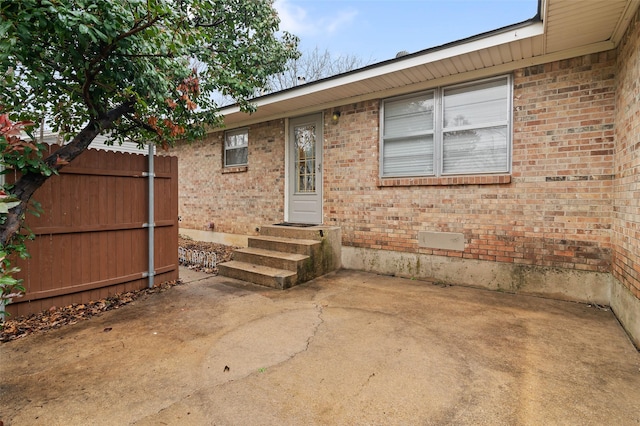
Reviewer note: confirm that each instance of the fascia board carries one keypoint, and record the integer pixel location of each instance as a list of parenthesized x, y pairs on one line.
[(453, 79), (623, 23)]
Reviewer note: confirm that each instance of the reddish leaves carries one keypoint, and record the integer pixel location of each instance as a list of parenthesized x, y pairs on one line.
[(189, 87), (60, 162), (11, 132)]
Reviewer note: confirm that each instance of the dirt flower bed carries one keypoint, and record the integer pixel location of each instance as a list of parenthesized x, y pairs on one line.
[(56, 317)]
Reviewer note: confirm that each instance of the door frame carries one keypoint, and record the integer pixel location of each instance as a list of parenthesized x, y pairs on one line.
[(288, 170)]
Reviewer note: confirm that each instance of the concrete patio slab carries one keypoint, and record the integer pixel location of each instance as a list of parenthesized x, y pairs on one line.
[(350, 348)]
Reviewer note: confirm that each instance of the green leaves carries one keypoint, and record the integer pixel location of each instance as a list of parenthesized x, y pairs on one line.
[(93, 56), (10, 287)]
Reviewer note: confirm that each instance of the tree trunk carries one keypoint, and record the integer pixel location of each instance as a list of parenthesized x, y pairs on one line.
[(28, 183)]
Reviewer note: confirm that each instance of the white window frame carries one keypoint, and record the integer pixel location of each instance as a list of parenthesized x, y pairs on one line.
[(245, 131), (439, 130)]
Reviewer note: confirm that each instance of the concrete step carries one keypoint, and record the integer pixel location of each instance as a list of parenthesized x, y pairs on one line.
[(284, 256), (305, 233), (285, 245), (275, 259), (258, 274)]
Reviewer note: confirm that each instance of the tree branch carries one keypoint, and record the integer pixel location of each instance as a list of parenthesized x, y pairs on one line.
[(144, 55), (91, 71), (27, 184), (140, 123), (197, 22)]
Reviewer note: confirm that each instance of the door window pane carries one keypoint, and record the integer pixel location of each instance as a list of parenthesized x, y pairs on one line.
[(305, 147)]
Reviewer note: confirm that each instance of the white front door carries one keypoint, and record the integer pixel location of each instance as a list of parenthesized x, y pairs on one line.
[(305, 169)]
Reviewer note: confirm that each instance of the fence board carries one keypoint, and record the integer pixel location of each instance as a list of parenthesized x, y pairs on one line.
[(90, 240)]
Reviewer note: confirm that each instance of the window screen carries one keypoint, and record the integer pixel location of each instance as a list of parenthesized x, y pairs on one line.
[(236, 148), (455, 130)]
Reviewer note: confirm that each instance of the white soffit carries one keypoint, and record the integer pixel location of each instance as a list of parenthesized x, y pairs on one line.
[(571, 24), (513, 44)]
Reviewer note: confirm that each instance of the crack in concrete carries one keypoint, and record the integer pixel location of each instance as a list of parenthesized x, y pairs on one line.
[(320, 310), (195, 280)]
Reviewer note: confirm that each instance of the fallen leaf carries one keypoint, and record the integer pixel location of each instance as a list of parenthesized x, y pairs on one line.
[(17, 327)]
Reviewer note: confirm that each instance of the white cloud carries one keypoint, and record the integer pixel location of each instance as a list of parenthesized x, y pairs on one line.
[(298, 20), (342, 19), (292, 17)]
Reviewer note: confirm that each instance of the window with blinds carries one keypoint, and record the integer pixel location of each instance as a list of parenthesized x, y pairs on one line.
[(463, 129), (236, 148)]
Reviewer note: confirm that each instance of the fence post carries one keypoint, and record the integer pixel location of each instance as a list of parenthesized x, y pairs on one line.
[(152, 223)]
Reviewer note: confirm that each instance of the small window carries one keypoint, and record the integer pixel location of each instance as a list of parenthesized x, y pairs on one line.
[(456, 130), (236, 148)]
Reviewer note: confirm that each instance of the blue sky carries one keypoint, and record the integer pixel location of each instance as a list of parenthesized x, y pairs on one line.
[(375, 30)]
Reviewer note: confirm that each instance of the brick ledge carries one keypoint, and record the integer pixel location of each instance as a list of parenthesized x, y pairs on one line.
[(238, 169), (443, 181)]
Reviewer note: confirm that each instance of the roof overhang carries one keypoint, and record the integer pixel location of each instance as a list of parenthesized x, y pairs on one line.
[(561, 29)]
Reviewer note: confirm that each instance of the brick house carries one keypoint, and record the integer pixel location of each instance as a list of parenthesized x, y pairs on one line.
[(508, 161)]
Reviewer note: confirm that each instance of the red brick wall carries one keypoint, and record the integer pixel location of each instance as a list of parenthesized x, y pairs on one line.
[(556, 210), (626, 206), (234, 202)]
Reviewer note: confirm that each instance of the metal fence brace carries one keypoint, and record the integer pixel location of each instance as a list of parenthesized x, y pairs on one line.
[(203, 259)]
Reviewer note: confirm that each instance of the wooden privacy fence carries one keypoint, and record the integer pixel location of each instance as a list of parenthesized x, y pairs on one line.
[(92, 237)]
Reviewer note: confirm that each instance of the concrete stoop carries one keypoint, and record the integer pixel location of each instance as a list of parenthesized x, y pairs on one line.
[(284, 256)]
